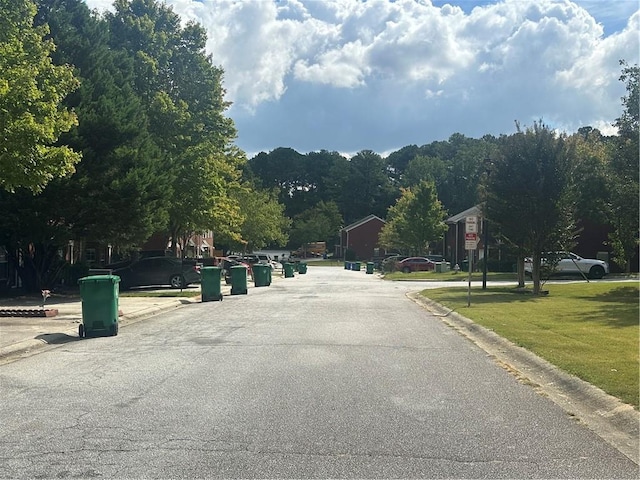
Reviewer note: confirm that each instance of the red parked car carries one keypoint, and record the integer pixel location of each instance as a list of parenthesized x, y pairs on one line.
[(415, 264)]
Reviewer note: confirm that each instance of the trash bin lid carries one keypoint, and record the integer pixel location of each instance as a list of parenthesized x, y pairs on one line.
[(100, 279)]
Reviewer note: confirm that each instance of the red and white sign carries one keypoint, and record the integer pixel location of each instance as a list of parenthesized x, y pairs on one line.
[(470, 241)]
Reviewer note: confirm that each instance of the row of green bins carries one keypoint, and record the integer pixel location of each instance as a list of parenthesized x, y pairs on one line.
[(302, 268), (370, 266), (210, 283), (261, 275), (99, 295), (289, 270), (238, 280)]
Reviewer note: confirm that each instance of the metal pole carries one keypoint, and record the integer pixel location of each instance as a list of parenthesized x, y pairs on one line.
[(470, 266), (485, 254)]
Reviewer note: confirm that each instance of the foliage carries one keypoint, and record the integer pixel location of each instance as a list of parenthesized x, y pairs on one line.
[(264, 222), (589, 174), (183, 95), (623, 173), (119, 190), (416, 220), (319, 223), (528, 196), (31, 92), (369, 190)]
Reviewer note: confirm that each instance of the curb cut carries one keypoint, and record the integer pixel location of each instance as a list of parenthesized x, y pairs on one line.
[(616, 422)]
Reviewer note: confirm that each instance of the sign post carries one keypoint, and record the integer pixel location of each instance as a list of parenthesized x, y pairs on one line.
[(470, 245)]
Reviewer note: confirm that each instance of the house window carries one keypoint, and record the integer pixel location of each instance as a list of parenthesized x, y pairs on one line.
[(90, 255)]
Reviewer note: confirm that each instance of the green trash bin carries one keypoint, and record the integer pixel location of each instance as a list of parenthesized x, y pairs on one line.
[(370, 266), (356, 266), (99, 295), (238, 280), (346, 265), (210, 283), (261, 275), (289, 270), (302, 268)]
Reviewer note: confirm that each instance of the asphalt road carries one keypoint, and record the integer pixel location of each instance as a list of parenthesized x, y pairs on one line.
[(330, 374)]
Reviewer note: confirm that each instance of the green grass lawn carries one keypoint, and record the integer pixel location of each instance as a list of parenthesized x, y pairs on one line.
[(590, 330), (160, 293), (451, 276)]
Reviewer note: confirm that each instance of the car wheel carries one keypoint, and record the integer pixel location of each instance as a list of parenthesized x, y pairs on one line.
[(176, 281), (406, 270), (596, 272)]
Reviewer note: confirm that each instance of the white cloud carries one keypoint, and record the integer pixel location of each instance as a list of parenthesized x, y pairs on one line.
[(337, 74)]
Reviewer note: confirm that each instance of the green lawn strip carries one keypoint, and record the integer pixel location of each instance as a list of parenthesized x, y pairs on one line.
[(450, 276), (168, 293), (587, 329)]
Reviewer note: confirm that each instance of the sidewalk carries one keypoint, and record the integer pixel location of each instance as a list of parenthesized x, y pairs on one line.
[(21, 335)]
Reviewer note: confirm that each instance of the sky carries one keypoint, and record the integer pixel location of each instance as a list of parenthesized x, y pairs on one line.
[(353, 75)]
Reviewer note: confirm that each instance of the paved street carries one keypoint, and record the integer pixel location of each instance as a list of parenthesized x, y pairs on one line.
[(330, 374)]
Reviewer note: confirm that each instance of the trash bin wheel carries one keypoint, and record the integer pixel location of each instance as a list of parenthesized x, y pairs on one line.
[(81, 332), (114, 330)]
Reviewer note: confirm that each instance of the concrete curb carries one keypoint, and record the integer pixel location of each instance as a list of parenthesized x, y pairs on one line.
[(616, 422)]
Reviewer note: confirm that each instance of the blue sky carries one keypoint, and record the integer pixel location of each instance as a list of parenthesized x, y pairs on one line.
[(349, 75)]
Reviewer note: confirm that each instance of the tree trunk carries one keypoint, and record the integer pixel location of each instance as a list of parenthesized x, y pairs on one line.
[(520, 270), (535, 272)]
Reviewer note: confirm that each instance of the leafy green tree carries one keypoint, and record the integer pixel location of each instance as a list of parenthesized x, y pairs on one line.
[(589, 174), (623, 172), (319, 223), (424, 168), (416, 220), (120, 190), (284, 169), (264, 222), (529, 196), (368, 189), (31, 92), (398, 162), (33, 233), (182, 92)]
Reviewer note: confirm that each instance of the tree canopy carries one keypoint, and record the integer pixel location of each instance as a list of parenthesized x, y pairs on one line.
[(529, 196), (415, 221), (32, 89)]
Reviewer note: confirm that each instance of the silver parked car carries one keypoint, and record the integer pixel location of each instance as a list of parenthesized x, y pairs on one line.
[(568, 263)]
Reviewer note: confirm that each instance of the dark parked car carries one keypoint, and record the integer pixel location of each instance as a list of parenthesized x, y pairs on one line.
[(151, 271), (231, 261), (415, 264)]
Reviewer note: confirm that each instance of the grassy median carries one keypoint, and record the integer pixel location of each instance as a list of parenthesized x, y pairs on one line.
[(587, 329)]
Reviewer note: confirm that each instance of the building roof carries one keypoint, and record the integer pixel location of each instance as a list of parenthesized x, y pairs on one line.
[(362, 221), (469, 212)]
